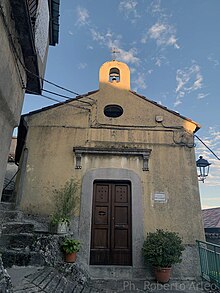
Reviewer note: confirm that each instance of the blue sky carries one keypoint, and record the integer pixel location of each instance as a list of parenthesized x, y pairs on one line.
[(172, 49)]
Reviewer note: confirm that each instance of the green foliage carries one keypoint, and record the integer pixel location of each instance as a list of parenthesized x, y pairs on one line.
[(56, 220), (163, 248), (66, 201), (71, 245)]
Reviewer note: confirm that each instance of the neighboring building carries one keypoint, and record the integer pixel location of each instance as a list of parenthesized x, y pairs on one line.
[(27, 27), (136, 166), (211, 219)]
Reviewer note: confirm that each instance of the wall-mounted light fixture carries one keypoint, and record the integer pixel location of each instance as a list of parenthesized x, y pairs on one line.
[(203, 168)]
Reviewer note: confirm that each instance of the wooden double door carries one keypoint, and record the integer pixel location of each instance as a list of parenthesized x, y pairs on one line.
[(111, 242)]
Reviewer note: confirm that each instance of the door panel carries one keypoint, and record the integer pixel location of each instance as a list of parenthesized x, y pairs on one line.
[(111, 224)]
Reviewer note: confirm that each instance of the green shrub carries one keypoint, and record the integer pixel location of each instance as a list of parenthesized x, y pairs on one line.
[(66, 201), (163, 248)]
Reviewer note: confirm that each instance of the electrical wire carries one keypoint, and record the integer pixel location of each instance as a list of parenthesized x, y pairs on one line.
[(65, 97), (207, 147), (60, 102), (17, 58)]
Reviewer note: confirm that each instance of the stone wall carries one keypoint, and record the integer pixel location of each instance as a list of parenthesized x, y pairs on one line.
[(5, 280), (11, 87)]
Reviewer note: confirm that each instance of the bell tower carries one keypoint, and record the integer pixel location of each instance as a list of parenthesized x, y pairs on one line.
[(114, 74)]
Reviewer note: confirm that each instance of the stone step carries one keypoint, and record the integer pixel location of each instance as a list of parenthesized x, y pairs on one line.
[(22, 240), (17, 228), (8, 196), (7, 206), (20, 257), (10, 215)]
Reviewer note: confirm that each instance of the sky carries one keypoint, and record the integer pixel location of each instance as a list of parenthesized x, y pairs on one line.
[(172, 48)]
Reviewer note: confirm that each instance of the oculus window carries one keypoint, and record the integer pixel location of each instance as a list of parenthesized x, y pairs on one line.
[(113, 111)]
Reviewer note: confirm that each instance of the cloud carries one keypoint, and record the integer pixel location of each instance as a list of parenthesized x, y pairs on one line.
[(157, 30), (159, 60), (96, 36), (140, 82), (70, 33), (177, 102), (163, 33), (82, 65), (128, 56), (82, 16), (90, 47), (128, 8), (202, 96), (156, 9), (188, 80), (213, 60), (110, 41)]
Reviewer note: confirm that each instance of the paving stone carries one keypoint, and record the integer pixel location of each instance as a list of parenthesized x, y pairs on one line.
[(70, 288), (62, 285), (78, 288), (34, 276), (54, 282), (41, 276), (24, 287), (93, 290), (47, 279)]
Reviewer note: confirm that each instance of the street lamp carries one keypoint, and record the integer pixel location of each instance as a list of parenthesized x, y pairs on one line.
[(203, 168)]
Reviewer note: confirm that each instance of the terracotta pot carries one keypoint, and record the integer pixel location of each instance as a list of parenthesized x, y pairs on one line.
[(162, 274), (71, 257)]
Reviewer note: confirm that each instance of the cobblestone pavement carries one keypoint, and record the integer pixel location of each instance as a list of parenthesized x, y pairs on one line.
[(50, 280)]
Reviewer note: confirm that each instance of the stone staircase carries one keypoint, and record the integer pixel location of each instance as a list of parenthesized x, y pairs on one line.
[(17, 238)]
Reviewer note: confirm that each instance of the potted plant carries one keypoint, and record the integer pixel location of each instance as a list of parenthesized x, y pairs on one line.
[(162, 249), (70, 247), (59, 225), (66, 202)]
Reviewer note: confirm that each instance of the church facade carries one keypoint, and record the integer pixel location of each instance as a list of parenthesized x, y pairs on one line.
[(135, 162)]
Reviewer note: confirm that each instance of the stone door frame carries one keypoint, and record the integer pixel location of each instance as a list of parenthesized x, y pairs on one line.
[(86, 211)]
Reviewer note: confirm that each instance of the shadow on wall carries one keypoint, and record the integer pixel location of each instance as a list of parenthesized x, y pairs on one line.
[(10, 176)]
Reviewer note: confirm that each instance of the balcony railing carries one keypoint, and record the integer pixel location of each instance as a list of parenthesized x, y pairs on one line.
[(209, 254)]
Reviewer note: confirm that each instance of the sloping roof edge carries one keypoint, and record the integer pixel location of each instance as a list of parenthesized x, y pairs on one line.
[(22, 131), (168, 110), (133, 92), (59, 104)]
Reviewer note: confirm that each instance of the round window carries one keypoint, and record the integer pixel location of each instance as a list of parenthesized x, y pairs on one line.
[(113, 111)]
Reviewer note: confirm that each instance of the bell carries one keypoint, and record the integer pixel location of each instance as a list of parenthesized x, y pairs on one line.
[(114, 71)]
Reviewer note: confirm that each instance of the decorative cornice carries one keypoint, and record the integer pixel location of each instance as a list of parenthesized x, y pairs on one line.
[(79, 151)]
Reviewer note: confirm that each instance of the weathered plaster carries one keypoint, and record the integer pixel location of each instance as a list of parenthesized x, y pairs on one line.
[(11, 91), (54, 133)]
